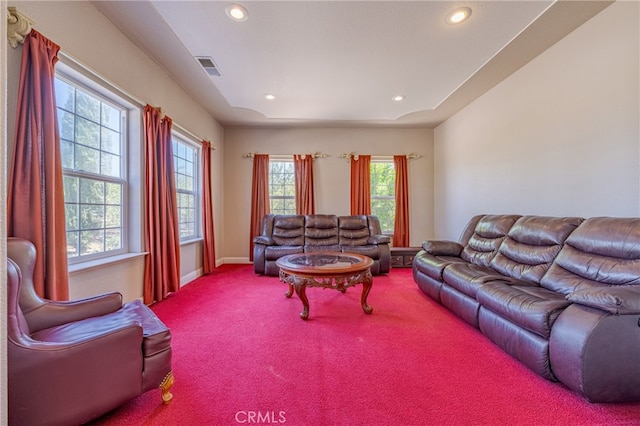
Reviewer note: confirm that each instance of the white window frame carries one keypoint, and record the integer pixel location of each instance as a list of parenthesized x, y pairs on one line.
[(281, 159), (386, 160), (179, 138), (121, 180), (132, 164)]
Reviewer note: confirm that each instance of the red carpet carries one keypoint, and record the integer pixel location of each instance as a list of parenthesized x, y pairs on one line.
[(242, 355)]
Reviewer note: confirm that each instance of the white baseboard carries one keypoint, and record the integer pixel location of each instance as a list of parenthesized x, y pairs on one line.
[(242, 260), (190, 277)]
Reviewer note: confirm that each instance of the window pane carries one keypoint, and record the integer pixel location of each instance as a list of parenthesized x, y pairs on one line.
[(71, 193), (65, 95), (91, 242), (113, 216), (91, 217), (282, 187), (111, 117), (71, 216), (113, 239), (185, 157), (66, 152), (91, 191), (87, 106), (87, 159), (73, 241), (113, 193), (110, 165), (92, 147), (110, 141), (383, 179), (66, 125), (87, 133)]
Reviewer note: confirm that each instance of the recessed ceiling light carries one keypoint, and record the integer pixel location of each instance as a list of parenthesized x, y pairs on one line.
[(237, 12), (458, 15), (398, 98), (269, 96)]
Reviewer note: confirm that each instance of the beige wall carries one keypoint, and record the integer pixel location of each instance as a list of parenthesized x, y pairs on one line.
[(332, 174), (89, 38), (558, 137)]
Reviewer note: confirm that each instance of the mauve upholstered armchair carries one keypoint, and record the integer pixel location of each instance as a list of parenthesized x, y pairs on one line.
[(70, 362)]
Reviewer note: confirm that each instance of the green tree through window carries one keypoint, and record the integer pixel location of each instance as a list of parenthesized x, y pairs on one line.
[(282, 190), (383, 191), (185, 164), (92, 150)]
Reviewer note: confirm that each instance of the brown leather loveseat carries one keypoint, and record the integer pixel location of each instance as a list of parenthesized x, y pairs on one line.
[(288, 234), (560, 294)]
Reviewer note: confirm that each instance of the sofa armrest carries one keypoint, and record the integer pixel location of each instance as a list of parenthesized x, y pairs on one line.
[(442, 248), (379, 239), (621, 300), (264, 240)]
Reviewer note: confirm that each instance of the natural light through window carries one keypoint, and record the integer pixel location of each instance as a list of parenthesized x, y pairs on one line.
[(282, 191), (92, 144), (185, 163), (383, 202)]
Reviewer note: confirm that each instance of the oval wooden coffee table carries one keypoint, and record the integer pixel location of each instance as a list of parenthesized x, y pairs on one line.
[(334, 270)]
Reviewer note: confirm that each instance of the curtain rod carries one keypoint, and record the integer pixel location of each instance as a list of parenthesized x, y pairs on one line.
[(314, 155), (411, 156), (78, 66)]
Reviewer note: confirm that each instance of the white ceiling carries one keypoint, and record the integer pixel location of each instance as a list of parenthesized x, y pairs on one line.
[(341, 62)]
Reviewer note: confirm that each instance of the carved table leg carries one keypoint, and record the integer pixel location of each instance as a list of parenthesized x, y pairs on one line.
[(366, 288), (289, 292), (165, 387), (302, 295)]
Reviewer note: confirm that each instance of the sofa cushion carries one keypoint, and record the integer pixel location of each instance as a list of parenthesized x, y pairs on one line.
[(602, 251), (530, 307), (619, 300), (531, 245), (288, 230), (467, 277), (353, 230), (488, 234), (372, 251), (432, 265), (320, 230), (316, 248), (276, 252)]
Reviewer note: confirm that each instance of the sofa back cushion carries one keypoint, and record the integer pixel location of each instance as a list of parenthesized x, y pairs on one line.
[(602, 251), (288, 230), (321, 230), (487, 236), (353, 230), (531, 245)]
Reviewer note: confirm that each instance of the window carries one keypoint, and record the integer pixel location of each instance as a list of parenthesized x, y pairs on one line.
[(282, 190), (93, 147), (383, 191), (185, 162)]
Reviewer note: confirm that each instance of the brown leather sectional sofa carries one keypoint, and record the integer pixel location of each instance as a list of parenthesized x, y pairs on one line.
[(560, 294), (288, 234)]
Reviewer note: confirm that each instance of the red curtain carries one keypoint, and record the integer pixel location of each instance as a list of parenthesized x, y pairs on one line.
[(401, 225), (303, 169), (208, 243), (259, 196), (35, 204), (162, 243), (360, 185)]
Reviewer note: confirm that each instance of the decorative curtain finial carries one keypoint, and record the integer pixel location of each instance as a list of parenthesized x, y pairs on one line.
[(349, 155), (18, 26)]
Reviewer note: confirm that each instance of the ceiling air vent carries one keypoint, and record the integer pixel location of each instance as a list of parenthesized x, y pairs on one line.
[(208, 65)]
